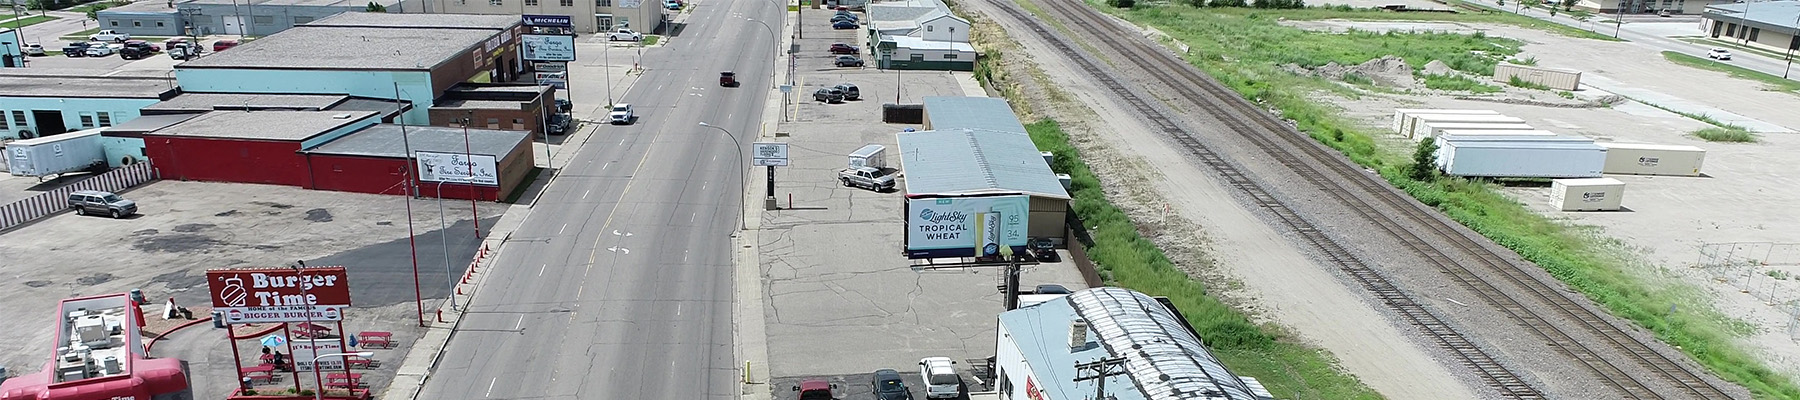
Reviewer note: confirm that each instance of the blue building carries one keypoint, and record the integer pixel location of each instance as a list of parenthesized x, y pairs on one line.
[(10, 54), (224, 17), (40, 104)]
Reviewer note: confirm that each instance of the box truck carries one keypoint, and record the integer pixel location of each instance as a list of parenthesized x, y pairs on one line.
[(1521, 157), (1653, 159), (1401, 114), (56, 154)]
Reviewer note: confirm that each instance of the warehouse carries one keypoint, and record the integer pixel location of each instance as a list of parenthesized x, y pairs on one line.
[(1041, 348), (412, 57), (976, 146), (39, 104), (247, 147), (374, 160), (1769, 25)]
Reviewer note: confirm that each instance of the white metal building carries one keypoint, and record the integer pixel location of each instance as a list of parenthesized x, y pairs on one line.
[(1039, 346)]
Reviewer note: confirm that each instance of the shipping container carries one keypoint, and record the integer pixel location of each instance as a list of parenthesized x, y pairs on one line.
[(1401, 114), (1590, 194), (1653, 159), (1412, 129), (1521, 157), (1554, 78), (56, 154), (1433, 129)]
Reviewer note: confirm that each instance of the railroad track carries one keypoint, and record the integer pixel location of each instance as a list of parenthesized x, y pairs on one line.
[(1368, 196)]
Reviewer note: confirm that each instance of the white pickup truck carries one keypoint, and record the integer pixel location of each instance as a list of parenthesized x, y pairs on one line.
[(109, 35), (625, 35), (876, 179)]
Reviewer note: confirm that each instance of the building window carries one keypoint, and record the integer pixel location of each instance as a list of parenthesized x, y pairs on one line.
[(928, 28), (3, 125), (159, 24), (568, 3), (264, 20), (493, 123), (951, 56), (20, 117), (302, 20), (105, 118), (115, 23), (603, 3), (496, 2), (87, 120), (137, 23), (531, 3), (518, 124), (1754, 32)]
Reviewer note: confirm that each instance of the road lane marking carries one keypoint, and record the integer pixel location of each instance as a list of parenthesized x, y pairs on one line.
[(578, 291), (521, 323), (585, 193), (541, 269), (559, 231), (490, 392), (677, 309), (691, 216)]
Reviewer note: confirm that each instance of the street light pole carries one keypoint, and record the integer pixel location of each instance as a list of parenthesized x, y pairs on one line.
[(774, 42), (1790, 55), (743, 181), (320, 395)]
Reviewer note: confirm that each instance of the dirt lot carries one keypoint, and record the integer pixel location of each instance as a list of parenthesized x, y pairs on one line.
[(188, 227), (1743, 196)]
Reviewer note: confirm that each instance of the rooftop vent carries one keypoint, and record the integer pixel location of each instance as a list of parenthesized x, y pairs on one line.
[(341, 116), (1078, 334)]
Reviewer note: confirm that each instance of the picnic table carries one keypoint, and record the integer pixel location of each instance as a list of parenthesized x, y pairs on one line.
[(287, 363), (311, 331), (343, 380), (265, 372), (376, 338)]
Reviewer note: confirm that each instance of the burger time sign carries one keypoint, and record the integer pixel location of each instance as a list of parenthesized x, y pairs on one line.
[(253, 295)]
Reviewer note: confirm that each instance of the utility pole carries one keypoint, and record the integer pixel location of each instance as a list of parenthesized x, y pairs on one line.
[(1101, 369)]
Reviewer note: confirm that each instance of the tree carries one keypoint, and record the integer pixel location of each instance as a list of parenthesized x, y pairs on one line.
[(1424, 165), (1121, 3), (94, 11), (1226, 3), (373, 7)]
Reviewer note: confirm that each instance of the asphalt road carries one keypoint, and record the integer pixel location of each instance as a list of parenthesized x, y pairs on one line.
[(1769, 65), (618, 285)]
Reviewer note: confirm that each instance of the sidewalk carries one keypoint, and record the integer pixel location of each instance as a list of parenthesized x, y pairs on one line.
[(1660, 100)]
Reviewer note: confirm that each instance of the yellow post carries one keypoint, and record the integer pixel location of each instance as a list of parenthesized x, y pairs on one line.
[(746, 371)]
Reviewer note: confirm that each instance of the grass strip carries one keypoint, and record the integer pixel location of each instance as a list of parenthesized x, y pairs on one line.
[(1703, 41), (1735, 71), (1589, 263), (1456, 83), (28, 21), (1290, 369), (650, 40), (80, 36), (1477, 14)]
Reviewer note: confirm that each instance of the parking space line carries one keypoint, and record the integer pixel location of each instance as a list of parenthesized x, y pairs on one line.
[(541, 269), (520, 324), (490, 391), (585, 193), (559, 231)]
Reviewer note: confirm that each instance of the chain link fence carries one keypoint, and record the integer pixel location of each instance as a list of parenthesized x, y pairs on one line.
[(1767, 270)]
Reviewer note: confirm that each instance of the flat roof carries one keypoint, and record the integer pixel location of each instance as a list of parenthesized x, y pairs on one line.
[(436, 21), (466, 87), (476, 104), (915, 42), (384, 140), (945, 112), (43, 85), (968, 161), (264, 125), (203, 102), (140, 6), (1163, 358), (1769, 13), (149, 123), (348, 48)]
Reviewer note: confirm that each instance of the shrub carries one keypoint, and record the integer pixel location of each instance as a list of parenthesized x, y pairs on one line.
[(1121, 3), (1424, 166)]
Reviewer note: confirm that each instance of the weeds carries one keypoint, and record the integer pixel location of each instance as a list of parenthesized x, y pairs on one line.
[(1521, 83), (1458, 83), (1715, 134), (1523, 61)]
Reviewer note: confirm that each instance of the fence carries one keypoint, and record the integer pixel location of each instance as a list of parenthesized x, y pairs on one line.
[(1767, 270), (46, 203)]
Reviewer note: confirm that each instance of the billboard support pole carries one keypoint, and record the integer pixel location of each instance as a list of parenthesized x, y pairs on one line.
[(769, 197), (286, 330), (312, 335), (342, 347), (1012, 284), (235, 358), (469, 157)]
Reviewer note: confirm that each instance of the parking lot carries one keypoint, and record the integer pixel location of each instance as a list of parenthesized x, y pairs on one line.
[(185, 228), (840, 300), (156, 62)]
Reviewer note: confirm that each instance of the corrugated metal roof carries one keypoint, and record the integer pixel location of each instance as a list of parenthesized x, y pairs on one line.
[(946, 112), (1163, 360), (966, 161)]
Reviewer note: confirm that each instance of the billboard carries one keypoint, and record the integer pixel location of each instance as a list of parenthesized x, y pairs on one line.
[(548, 47), (307, 350), (546, 20), (559, 80), (966, 226), (457, 168), (256, 295)]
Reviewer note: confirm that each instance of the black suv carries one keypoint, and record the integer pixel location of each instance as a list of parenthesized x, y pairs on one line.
[(850, 91), (829, 95)]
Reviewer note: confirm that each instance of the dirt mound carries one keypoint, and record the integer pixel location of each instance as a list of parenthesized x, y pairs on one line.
[(1437, 67), (1387, 70)]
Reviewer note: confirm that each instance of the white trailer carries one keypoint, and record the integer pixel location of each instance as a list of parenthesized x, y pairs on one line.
[(1522, 157), (1412, 129), (1588, 194), (1653, 159), (56, 154), (872, 156), (1401, 114), (1434, 129)]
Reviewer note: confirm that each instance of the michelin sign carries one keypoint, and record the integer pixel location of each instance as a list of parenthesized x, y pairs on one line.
[(966, 226)]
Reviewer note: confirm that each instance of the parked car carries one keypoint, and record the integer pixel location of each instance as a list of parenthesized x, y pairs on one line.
[(563, 105), (223, 44), (941, 380), (145, 45), (829, 95), (101, 203), (559, 124), (888, 385), (171, 43), (672, 5), (621, 114), (33, 49), (850, 91), (844, 48), (815, 389), (1045, 250), (134, 53), (728, 79), (75, 49), (846, 13), (108, 35), (99, 49), (1719, 54), (624, 35), (1050, 289), (849, 61), (843, 25), (842, 18)]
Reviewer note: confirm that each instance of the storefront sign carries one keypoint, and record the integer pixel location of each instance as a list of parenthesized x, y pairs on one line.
[(546, 20), (770, 154), (279, 294), (305, 351), (457, 168), (548, 47)]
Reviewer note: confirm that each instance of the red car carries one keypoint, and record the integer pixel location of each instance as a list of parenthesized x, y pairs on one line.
[(223, 44), (815, 389), (843, 48)]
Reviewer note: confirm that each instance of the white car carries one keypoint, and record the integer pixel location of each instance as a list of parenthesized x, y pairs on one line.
[(1718, 54), (621, 114), (625, 35), (100, 49), (941, 380)]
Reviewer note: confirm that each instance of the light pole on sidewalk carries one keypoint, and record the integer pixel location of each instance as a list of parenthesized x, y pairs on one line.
[(743, 181), (1790, 55), (775, 42), (320, 395)]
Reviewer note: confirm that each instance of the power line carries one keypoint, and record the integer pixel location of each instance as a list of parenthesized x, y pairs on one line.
[(1100, 369)]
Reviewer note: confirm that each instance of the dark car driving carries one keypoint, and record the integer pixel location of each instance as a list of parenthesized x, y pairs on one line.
[(888, 386)]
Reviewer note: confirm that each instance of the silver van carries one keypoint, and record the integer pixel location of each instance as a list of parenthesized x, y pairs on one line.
[(87, 202)]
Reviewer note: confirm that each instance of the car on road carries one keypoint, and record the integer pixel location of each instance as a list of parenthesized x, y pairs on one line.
[(849, 61), (624, 35), (1718, 54), (86, 202), (851, 92), (888, 385), (621, 114), (815, 389), (941, 380), (75, 49), (829, 95), (844, 48), (843, 25), (99, 49), (223, 44), (728, 79), (109, 35)]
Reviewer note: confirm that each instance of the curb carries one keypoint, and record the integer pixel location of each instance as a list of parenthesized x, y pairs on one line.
[(153, 340)]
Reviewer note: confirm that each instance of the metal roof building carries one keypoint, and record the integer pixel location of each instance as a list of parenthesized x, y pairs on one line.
[(1039, 346), (1770, 25), (979, 148)]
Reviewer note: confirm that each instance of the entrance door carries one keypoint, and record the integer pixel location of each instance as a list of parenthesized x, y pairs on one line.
[(603, 22), (234, 25), (48, 122)]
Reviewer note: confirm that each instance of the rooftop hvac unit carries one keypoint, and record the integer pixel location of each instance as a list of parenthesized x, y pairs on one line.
[(1078, 334), (1066, 181), (1049, 158)]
